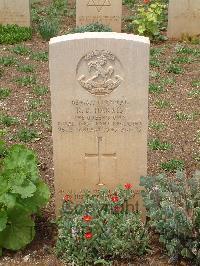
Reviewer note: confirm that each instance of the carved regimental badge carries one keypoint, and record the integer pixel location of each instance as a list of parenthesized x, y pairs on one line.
[(99, 72)]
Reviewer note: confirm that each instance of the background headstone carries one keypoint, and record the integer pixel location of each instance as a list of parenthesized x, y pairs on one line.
[(107, 12), (183, 18), (15, 12), (99, 94)]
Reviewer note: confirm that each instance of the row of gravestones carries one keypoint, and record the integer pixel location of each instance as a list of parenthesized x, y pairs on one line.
[(183, 18)]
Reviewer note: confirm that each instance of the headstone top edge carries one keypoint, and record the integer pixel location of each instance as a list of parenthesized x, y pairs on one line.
[(99, 35)]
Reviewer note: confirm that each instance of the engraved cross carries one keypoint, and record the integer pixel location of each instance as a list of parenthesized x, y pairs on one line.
[(98, 155)]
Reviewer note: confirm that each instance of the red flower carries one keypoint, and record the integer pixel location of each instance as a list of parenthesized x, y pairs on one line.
[(87, 218), (67, 198), (146, 1), (88, 235), (115, 198), (127, 186), (117, 208)]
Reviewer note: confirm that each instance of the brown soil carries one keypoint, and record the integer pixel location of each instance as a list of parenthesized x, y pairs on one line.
[(182, 134)]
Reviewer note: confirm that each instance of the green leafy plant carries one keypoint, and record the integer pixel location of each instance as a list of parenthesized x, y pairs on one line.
[(21, 50), (195, 83), (155, 88), (129, 3), (36, 116), (173, 165), (158, 126), (27, 134), (149, 20), (22, 194), (48, 28), (40, 90), (184, 49), (40, 56), (162, 104), (7, 120), (26, 68), (182, 60), (8, 61), (35, 103), (100, 229), (94, 27), (154, 62), (26, 80), (194, 93), (175, 69), (173, 206), (4, 93), (11, 34), (156, 144), (180, 116)]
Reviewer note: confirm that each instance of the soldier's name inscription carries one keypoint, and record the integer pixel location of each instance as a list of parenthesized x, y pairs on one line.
[(103, 116)]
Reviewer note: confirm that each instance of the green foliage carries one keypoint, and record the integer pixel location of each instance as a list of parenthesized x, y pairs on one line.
[(194, 93), (42, 117), (7, 120), (162, 103), (155, 88), (22, 194), (99, 229), (182, 60), (11, 34), (149, 20), (27, 134), (180, 116), (173, 205), (157, 126), (40, 90), (48, 28), (40, 56), (21, 50), (35, 103), (156, 144), (183, 49), (175, 69), (26, 80), (172, 165), (129, 3), (154, 62), (26, 68), (94, 27), (4, 93), (195, 83), (8, 61)]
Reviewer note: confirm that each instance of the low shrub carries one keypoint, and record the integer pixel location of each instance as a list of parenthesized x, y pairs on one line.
[(173, 205), (94, 27), (99, 229), (22, 194), (48, 28), (11, 34), (150, 19)]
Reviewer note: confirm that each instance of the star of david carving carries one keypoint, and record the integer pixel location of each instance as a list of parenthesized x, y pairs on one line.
[(99, 4)]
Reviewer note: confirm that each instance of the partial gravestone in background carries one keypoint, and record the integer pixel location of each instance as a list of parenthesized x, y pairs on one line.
[(15, 12), (99, 94), (106, 12), (183, 18)]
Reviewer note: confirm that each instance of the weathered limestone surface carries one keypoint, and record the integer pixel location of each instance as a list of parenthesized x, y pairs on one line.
[(99, 94), (15, 12), (183, 18), (107, 12)]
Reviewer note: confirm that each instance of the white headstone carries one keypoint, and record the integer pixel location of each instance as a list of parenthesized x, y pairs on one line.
[(15, 12), (107, 12), (183, 18), (99, 94)]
